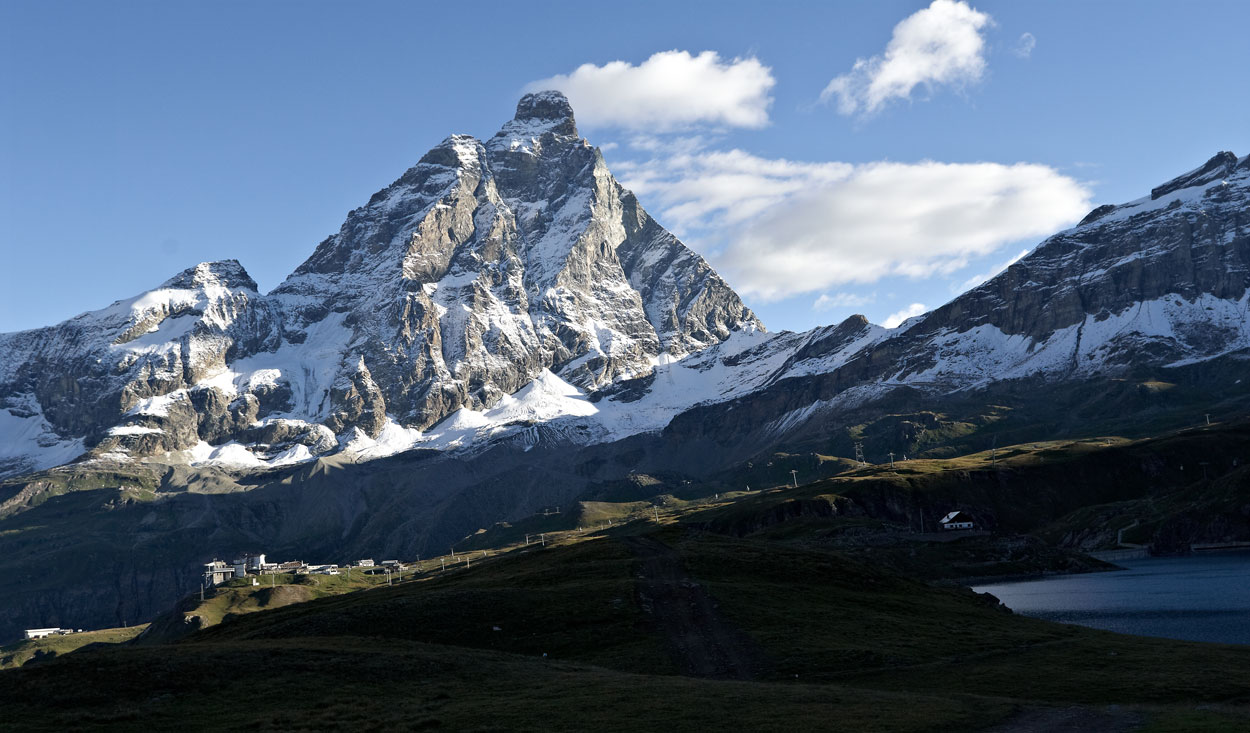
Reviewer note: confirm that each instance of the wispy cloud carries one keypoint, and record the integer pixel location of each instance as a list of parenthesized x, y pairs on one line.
[(701, 189), (841, 300), (939, 45), (670, 90), (1024, 47), (979, 278), (894, 319)]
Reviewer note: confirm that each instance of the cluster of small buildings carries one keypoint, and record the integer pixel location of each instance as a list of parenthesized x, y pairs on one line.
[(218, 571)]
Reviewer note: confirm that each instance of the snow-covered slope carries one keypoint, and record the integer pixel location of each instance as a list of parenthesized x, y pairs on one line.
[(1159, 282), (124, 378)]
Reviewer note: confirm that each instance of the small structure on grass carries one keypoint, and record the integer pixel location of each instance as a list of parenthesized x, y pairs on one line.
[(956, 520)]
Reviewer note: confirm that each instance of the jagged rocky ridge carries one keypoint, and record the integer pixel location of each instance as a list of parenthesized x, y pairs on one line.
[(513, 289)]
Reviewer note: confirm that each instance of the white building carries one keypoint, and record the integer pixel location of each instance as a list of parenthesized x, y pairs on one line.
[(217, 572), (249, 564), (41, 633), (956, 520)]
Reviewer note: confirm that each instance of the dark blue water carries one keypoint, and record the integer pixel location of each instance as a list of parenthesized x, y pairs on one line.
[(1203, 597)]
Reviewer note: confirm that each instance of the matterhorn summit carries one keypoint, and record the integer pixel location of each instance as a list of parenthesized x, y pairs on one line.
[(481, 268)]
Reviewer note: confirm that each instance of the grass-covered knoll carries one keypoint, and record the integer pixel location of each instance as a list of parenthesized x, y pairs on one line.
[(242, 596), (579, 516), (19, 653), (571, 602)]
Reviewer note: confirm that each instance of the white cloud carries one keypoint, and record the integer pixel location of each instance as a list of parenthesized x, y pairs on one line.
[(695, 188), (910, 219), (1024, 46), (939, 45), (977, 279), (894, 319), (670, 90), (788, 227), (840, 300)]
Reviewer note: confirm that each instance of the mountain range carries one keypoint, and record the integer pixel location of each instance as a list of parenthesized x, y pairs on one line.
[(504, 328)]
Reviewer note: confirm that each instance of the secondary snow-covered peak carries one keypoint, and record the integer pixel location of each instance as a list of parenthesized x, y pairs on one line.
[(224, 273), (209, 295), (1219, 166)]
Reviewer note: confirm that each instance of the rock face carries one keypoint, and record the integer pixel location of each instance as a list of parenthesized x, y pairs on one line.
[(120, 377), (1155, 285), (487, 263), (482, 267), (1158, 279)]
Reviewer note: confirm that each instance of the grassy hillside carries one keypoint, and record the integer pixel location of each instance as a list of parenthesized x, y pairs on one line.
[(239, 597), (638, 627), (1025, 488), (19, 653), (809, 608), (380, 684)]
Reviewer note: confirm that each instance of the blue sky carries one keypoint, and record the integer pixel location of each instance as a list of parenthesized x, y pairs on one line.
[(137, 139)]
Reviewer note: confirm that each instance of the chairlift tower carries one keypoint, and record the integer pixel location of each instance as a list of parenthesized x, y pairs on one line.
[(859, 455)]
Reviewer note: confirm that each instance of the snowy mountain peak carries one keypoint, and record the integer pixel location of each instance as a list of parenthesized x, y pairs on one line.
[(1220, 165), (224, 273), (548, 110)]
